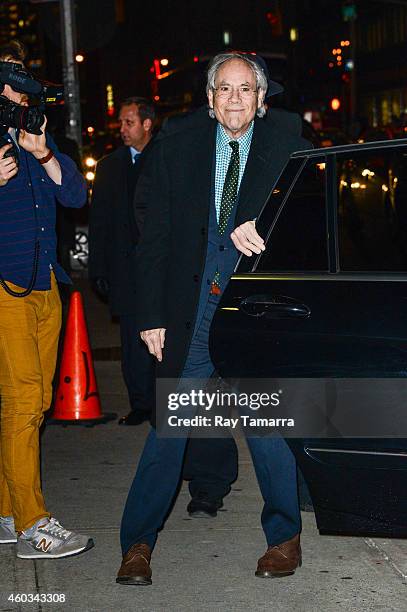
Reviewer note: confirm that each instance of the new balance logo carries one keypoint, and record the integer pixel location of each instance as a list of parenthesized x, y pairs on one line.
[(44, 545)]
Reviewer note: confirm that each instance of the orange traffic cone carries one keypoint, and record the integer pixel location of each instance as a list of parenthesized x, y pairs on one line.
[(77, 399)]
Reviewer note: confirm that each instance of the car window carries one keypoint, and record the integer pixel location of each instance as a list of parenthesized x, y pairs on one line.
[(298, 241), (372, 210)]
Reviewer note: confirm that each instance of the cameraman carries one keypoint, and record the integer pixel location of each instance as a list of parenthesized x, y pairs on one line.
[(30, 324)]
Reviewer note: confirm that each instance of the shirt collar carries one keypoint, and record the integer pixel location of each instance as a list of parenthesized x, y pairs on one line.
[(223, 139), (134, 153)]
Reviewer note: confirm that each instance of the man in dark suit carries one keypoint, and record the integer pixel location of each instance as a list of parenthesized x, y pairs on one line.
[(117, 214), (114, 232), (211, 464), (209, 185)]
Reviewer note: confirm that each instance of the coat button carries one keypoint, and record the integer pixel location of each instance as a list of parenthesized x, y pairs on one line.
[(203, 231), (196, 278), (221, 247), (188, 324)]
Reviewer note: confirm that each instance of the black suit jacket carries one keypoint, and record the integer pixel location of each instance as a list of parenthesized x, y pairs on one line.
[(172, 251), (114, 230)]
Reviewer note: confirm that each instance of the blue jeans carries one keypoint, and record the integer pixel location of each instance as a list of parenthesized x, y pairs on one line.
[(159, 471)]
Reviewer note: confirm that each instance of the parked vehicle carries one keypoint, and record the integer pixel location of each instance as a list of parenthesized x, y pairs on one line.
[(328, 299)]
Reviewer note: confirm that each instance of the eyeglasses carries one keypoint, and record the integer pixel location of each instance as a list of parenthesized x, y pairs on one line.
[(225, 91)]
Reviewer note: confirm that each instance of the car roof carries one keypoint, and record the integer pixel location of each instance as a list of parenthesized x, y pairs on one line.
[(376, 144)]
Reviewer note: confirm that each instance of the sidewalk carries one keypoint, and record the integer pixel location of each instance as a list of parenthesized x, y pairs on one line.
[(200, 565)]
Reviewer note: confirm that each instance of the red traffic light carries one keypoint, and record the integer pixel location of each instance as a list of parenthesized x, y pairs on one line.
[(272, 18), (275, 22)]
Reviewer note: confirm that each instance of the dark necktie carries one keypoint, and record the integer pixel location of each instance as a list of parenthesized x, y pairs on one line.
[(132, 175), (228, 200), (229, 193)]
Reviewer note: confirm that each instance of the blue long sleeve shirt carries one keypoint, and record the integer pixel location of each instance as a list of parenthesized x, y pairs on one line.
[(27, 214)]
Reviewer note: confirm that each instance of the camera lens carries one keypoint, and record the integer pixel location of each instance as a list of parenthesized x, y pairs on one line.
[(29, 118)]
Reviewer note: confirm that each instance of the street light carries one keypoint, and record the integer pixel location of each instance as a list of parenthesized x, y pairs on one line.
[(335, 104), (90, 162), (293, 34)]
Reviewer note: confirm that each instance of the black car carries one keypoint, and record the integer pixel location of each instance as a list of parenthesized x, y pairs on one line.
[(328, 299)]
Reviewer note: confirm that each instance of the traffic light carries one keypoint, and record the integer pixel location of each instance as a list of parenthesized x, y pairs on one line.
[(275, 21), (349, 12), (110, 110)]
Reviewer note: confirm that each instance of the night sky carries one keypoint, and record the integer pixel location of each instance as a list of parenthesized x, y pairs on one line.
[(121, 38)]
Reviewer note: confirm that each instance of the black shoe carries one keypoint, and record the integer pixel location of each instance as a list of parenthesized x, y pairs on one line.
[(135, 417), (202, 507)]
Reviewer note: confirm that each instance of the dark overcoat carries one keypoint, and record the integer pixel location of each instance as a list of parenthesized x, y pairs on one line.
[(171, 255), (115, 227)]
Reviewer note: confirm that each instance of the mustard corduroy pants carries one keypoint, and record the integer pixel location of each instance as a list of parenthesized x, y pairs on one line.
[(29, 331)]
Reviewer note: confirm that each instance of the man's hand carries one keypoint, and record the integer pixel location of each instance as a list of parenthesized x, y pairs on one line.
[(247, 240), (102, 287), (8, 167), (154, 338), (37, 145)]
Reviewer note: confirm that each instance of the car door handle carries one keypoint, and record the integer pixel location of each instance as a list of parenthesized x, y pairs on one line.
[(274, 307)]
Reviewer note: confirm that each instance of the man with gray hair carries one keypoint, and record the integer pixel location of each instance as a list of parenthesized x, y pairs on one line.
[(209, 184)]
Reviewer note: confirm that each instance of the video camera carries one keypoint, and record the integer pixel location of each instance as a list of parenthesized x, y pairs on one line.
[(29, 118)]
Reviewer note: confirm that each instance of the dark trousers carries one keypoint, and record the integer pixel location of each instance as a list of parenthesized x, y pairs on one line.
[(210, 464), (160, 467), (138, 367)]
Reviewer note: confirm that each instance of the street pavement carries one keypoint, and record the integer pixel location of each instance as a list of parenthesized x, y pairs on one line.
[(199, 565)]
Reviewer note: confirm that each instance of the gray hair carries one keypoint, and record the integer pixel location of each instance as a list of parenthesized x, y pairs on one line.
[(222, 58)]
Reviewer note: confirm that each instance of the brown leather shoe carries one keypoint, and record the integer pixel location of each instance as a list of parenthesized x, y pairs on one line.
[(280, 560), (135, 567)]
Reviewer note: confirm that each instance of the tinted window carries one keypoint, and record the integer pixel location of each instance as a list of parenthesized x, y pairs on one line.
[(298, 240), (372, 210)]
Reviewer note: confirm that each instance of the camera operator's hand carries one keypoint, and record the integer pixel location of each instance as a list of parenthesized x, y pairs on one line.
[(8, 167), (37, 145)]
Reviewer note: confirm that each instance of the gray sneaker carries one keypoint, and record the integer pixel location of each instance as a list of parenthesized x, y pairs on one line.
[(49, 540), (7, 531)]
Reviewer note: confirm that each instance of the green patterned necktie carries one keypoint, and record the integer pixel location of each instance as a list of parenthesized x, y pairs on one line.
[(229, 193)]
